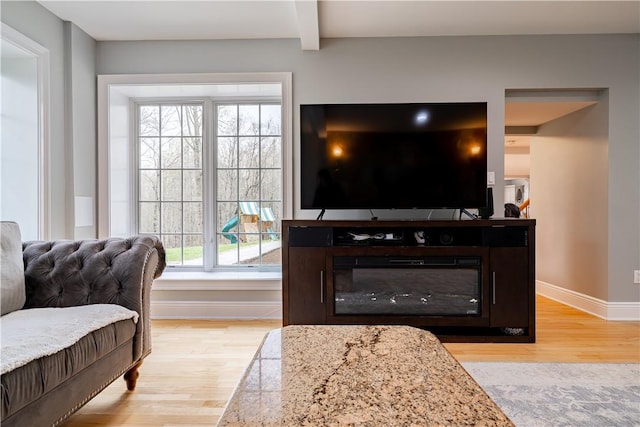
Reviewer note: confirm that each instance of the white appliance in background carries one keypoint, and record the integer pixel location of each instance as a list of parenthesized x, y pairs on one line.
[(516, 191), (510, 194), (520, 192)]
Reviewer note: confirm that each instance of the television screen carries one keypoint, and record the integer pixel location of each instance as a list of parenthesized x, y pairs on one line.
[(393, 156)]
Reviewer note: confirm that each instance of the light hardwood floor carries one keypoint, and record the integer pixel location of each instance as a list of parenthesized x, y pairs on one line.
[(195, 364)]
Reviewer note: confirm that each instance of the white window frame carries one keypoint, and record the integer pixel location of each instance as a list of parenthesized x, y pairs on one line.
[(209, 139), (114, 86)]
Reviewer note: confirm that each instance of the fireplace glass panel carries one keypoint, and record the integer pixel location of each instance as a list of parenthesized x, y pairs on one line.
[(408, 290)]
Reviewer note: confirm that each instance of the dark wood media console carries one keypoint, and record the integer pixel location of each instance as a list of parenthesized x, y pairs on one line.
[(463, 280)]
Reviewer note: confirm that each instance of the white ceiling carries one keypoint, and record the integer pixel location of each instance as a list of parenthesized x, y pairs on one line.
[(525, 110), (313, 20), (310, 21)]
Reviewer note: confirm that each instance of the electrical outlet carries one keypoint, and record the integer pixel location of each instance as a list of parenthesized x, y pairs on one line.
[(636, 276)]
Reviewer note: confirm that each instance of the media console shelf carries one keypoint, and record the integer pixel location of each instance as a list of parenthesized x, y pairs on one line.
[(464, 280)]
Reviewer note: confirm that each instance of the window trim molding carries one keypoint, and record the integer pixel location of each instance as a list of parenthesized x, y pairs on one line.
[(107, 83)]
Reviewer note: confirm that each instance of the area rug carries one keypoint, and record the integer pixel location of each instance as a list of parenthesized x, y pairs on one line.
[(562, 394)]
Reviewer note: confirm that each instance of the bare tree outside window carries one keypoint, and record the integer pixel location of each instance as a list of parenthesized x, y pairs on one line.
[(170, 190), (248, 179)]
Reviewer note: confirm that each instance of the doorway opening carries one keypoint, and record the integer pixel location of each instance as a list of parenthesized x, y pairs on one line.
[(526, 111)]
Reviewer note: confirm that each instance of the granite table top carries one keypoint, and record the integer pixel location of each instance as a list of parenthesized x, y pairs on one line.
[(352, 375)]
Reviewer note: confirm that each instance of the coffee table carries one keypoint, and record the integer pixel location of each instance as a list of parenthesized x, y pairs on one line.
[(339, 375)]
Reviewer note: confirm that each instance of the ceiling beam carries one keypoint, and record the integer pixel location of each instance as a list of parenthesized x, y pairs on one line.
[(308, 25)]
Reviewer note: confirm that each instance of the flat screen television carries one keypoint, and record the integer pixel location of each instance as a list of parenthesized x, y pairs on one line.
[(393, 156)]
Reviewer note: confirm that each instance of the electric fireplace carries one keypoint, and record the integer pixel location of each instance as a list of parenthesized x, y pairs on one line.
[(407, 286)]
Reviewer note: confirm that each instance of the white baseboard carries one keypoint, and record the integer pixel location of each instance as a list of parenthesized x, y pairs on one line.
[(618, 311), (245, 310)]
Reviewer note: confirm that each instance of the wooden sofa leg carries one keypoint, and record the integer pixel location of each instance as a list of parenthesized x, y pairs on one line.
[(131, 376)]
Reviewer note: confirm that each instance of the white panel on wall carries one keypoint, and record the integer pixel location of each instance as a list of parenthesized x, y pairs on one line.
[(84, 211)]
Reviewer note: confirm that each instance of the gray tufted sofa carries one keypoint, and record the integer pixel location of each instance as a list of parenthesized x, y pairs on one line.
[(87, 275)]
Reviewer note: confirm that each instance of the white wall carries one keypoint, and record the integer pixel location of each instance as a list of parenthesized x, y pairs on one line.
[(517, 162), (19, 145), (569, 193)]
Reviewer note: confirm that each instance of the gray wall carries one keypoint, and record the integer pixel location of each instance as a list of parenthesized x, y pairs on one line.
[(446, 69), (82, 133), (389, 70)]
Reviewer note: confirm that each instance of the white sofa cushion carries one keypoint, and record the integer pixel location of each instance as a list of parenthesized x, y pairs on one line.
[(12, 292), (37, 332)]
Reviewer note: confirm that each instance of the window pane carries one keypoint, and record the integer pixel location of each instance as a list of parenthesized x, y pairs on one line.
[(192, 181), (171, 120), (227, 152), (227, 120), (228, 238), (193, 217), (192, 152), (149, 185), (171, 185), (270, 119), (227, 218), (271, 253), (149, 221), (173, 248), (272, 256), (249, 184), (270, 152), (192, 123), (193, 250), (149, 153), (249, 234), (249, 153), (227, 184), (171, 218), (171, 171), (171, 153), (270, 184), (272, 213), (149, 120), (249, 120), (228, 254)]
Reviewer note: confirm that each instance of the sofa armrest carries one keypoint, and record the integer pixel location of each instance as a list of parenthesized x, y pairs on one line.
[(120, 271)]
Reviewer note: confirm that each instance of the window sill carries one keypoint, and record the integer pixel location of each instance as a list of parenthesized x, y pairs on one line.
[(185, 280)]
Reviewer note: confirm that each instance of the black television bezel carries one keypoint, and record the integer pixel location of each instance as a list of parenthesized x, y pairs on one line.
[(478, 203)]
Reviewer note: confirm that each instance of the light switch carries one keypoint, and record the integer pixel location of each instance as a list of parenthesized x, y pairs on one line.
[(491, 178)]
